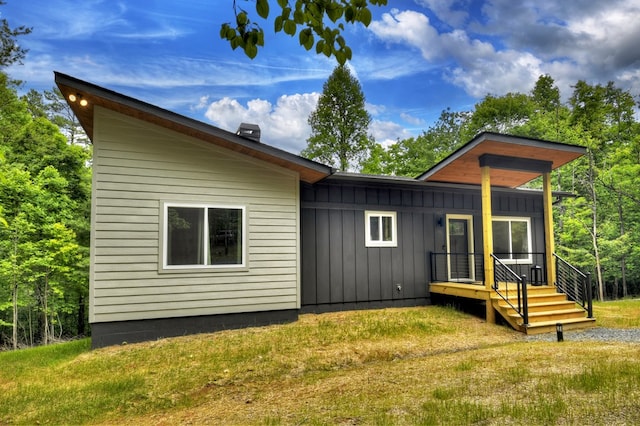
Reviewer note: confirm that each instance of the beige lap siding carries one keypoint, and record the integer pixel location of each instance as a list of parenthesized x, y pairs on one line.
[(137, 167)]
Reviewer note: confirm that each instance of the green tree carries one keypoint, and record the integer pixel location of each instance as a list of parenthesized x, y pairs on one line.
[(10, 50), (546, 94), (413, 156), (38, 249), (318, 23), (44, 209), (501, 114), (603, 116), (339, 123), (549, 118), (51, 105)]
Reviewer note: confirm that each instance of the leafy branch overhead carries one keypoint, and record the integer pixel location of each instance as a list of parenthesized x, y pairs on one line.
[(305, 18)]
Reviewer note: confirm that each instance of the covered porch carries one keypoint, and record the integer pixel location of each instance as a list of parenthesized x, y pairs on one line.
[(533, 291)]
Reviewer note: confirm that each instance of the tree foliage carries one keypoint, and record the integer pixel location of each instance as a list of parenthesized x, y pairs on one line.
[(340, 123), (45, 202), (10, 50), (44, 214), (318, 23), (413, 156)]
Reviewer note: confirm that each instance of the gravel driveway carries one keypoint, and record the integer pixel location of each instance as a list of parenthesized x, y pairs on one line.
[(628, 335)]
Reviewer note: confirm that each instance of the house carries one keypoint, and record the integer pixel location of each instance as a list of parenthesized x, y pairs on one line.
[(196, 229)]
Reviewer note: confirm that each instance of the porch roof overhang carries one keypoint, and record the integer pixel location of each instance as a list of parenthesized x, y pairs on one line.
[(96, 96), (513, 160)]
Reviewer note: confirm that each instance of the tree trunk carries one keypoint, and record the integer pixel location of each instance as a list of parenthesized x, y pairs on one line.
[(594, 227), (45, 326), (14, 334), (30, 327), (81, 311), (623, 261)]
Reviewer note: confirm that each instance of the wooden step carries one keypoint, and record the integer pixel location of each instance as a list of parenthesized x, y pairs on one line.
[(532, 291), (513, 288), (546, 297), (551, 315), (546, 309), (567, 324), (544, 306)]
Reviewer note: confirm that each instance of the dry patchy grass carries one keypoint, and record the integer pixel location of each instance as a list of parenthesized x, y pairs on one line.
[(523, 383), (618, 314), (393, 366)]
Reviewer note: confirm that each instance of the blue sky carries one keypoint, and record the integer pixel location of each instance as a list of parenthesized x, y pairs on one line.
[(414, 60)]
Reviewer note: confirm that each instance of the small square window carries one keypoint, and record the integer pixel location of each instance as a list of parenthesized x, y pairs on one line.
[(380, 229)]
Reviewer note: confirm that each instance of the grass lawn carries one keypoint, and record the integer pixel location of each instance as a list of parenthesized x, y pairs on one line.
[(429, 365)]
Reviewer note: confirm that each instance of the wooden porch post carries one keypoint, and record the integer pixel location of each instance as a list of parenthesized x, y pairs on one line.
[(487, 238), (548, 229)]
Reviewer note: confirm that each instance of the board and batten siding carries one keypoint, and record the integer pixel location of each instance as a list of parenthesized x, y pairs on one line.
[(339, 271), (137, 167)]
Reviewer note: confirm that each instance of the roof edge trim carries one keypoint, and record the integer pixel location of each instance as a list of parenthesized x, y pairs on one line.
[(318, 169)]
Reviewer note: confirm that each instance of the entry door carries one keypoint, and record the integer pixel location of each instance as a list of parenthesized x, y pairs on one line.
[(460, 248)]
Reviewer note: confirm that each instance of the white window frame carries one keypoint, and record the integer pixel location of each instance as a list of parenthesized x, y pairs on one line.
[(369, 242), (165, 238), (511, 260)]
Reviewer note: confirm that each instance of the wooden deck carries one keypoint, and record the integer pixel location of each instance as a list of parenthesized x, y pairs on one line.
[(476, 290), (547, 307)]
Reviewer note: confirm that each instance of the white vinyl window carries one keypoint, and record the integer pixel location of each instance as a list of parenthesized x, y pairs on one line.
[(380, 229), (197, 236), (512, 239)]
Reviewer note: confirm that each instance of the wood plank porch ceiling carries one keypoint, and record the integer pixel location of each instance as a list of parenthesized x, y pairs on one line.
[(463, 166)]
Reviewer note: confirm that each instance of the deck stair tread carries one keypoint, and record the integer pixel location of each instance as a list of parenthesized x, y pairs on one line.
[(537, 300), (567, 324), (564, 323), (546, 307), (564, 313)]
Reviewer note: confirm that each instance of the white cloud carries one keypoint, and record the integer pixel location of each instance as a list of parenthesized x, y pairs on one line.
[(387, 132), (415, 121), (374, 109), (412, 28), (283, 125), (203, 102), (498, 73), (78, 20), (513, 43), (480, 68), (451, 12)]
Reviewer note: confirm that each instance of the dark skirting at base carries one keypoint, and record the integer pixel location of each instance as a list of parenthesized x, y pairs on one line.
[(122, 332), (353, 306)]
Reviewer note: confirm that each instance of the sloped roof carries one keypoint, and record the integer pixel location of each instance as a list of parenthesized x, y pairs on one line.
[(522, 160), (309, 171)]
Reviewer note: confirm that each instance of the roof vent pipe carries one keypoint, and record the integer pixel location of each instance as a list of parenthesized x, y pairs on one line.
[(249, 131)]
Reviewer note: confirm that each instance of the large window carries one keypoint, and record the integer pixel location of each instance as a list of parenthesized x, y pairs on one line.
[(380, 229), (512, 239), (203, 236)]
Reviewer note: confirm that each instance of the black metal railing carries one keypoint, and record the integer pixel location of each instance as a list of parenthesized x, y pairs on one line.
[(460, 267), (575, 284), (505, 282), (453, 266), (533, 265)]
